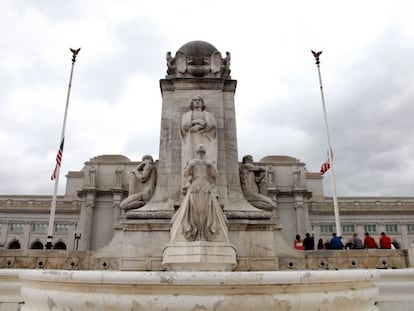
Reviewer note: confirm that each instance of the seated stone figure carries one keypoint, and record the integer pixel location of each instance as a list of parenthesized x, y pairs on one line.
[(141, 185), (253, 184)]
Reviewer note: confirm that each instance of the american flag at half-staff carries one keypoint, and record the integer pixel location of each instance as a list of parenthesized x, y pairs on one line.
[(58, 160), (325, 167)]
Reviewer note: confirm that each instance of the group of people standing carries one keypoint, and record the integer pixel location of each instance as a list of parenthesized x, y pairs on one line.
[(335, 242)]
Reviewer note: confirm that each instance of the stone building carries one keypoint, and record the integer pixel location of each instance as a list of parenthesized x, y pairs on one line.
[(88, 211)]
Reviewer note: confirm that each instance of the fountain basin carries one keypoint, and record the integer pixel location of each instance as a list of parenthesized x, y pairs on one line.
[(219, 291)]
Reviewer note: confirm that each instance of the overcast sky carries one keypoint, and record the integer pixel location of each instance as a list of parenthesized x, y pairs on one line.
[(367, 70)]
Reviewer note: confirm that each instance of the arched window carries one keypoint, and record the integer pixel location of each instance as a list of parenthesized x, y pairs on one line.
[(14, 245), (59, 245), (36, 245)]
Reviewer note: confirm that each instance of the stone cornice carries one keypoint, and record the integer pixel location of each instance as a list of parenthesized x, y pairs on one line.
[(363, 205), (40, 205), (282, 191), (197, 83), (95, 191)]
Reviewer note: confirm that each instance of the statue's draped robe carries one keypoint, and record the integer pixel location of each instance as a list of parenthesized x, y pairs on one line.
[(200, 215)]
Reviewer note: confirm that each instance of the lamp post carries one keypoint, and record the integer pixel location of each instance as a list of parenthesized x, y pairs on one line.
[(77, 238)]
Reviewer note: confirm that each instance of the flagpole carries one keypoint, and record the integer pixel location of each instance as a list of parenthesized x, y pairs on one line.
[(56, 173), (330, 155)]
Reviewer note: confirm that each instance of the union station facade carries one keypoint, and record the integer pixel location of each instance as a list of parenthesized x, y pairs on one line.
[(88, 212)]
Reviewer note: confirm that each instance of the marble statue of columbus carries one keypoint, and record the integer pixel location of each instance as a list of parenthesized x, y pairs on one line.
[(198, 127)]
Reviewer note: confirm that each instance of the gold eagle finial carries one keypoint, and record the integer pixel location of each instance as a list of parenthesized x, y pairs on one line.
[(74, 54), (316, 55)]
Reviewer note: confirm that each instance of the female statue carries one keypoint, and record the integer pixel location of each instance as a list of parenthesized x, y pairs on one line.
[(200, 215)]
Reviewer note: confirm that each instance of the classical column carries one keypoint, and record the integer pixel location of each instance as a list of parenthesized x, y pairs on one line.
[(405, 241), (299, 209), (86, 219), (117, 195), (308, 226)]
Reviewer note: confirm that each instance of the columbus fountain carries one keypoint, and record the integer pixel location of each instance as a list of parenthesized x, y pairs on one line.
[(203, 214)]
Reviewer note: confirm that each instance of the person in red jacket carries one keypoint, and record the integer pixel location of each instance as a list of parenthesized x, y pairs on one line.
[(369, 241), (385, 241), (298, 243)]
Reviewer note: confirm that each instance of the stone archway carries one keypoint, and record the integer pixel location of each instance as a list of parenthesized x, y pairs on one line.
[(36, 245), (59, 245), (14, 245)]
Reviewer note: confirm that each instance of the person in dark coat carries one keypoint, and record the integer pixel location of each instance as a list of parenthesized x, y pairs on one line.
[(309, 242), (320, 244)]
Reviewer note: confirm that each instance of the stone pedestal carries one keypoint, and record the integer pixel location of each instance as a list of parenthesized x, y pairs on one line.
[(199, 256), (141, 244), (137, 245)]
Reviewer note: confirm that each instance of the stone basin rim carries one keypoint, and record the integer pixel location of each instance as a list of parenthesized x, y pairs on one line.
[(243, 278)]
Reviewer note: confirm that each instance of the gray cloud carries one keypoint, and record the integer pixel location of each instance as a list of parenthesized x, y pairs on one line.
[(366, 67)]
